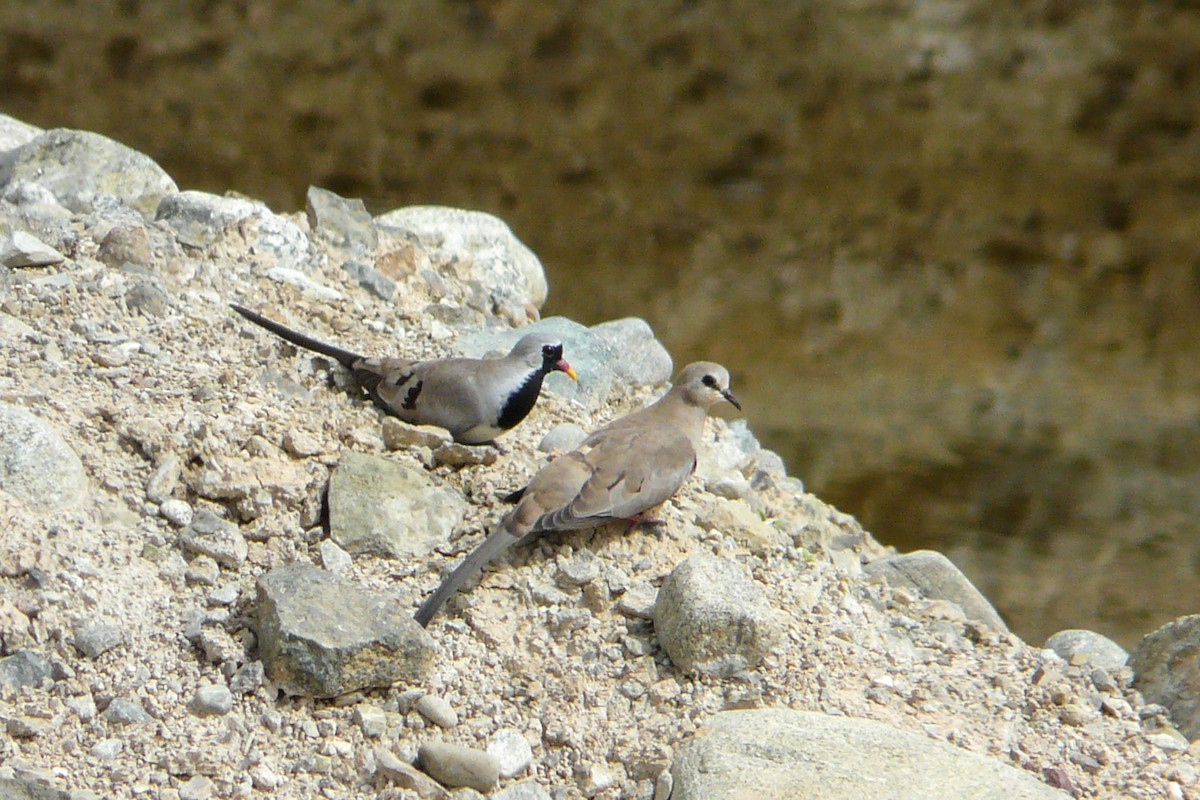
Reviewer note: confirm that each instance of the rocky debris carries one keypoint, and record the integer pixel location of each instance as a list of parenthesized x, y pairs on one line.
[(80, 168), (1164, 670), (203, 220), (454, 765), (389, 508), (324, 637), (196, 444), (485, 254), (126, 712), (780, 754), (30, 789), (213, 701), (36, 463), (1088, 647), (711, 618), (936, 577)]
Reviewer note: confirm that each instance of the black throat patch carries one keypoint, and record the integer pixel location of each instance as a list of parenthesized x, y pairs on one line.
[(520, 403)]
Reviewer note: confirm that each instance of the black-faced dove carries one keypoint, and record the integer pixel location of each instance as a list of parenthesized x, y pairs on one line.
[(474, 399), (620, 471)]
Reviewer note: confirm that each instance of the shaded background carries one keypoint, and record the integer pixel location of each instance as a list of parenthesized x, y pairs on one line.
[(948, 249)]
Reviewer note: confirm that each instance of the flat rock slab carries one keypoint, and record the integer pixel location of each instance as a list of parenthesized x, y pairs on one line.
[(780, 754), (936, 577), (389, 509), (322, 636)]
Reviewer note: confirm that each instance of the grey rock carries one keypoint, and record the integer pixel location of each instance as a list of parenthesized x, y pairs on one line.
[(710, 617), (198, 787), (1164, 670), (26, 727), (80, 167), (27, 788), (525, 790), (107, 749), (128, 247), (437, 710), (211, 536), (1080, 646), (454, 765), (24, 668), (372, 720), (213, 701), (200, 220), (14, 133), (936, 577), (248, 677), (780, 754), (562, 438), (385, 508), (580, 568), (164, 479), (126, 712), (342, 223), (84, 706), (483, 249), (334, 558), (511, 751), (36, 463), (392, 769), (223, 595), (93, 637), (23, 249), (323, 637), (457, 456), (149, 298), (399, 435), (638, 357), (370, 279)]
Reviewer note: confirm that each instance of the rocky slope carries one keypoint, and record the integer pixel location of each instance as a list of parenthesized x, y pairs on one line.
[(192, 607)]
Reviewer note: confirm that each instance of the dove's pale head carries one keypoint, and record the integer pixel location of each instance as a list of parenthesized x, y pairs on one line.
[(704, 384), (542, 351)]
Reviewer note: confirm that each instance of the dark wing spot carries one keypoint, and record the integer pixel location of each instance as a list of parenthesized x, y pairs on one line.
[(399, 378), (410, 399)]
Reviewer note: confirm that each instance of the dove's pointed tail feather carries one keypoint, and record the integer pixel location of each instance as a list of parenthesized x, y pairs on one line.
[(495, 544), (344, 357)]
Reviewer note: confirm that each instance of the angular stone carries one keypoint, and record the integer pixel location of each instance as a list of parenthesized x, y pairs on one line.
[(23, 668), (28, 789), (79, 167), (639, 359), (780, 754), (126, 712), (93, 637), (211, 536), (454, 765), (21, 249), (341, 222), (1079, 646), (36, 463), (936, 577), (386, 508), (483, 249), (710, 617), (391, 768), (321, 636), (1164, 665)]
